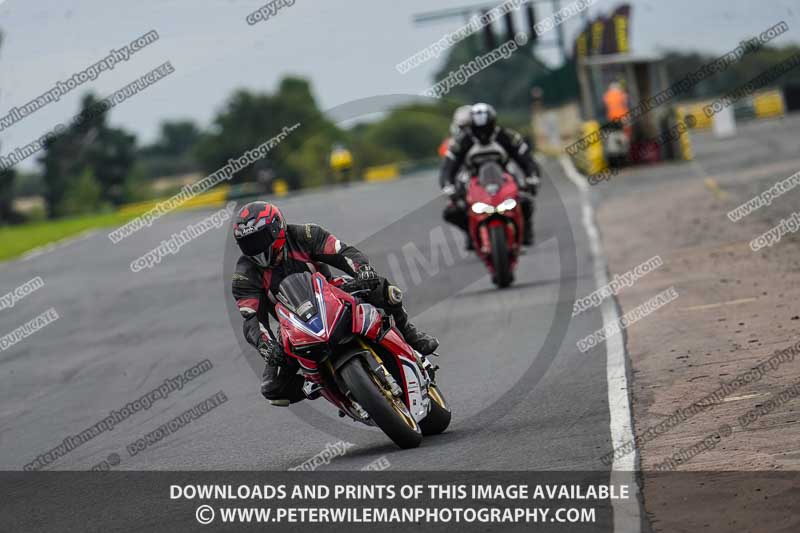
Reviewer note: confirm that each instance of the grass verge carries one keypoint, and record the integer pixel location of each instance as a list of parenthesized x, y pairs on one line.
[(16, 240)]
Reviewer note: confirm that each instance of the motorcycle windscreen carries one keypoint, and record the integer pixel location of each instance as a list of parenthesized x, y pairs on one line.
[(296, 292), (491, 177)]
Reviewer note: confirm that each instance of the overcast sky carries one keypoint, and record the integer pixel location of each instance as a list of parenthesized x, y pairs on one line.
[(347, 48)]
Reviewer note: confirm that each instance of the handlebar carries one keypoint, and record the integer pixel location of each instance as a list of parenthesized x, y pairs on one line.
[(354, 286)]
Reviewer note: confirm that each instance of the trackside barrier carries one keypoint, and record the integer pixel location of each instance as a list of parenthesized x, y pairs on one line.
[(701, 121), (763, 104), (215, 198), (769, 104), (684, 141), (382, 173), (591, 160)]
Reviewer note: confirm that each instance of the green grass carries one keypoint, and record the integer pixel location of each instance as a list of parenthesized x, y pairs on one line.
[(16, 240)]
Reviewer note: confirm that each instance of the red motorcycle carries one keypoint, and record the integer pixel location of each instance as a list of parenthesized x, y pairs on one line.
[(495, 221), (351, 353)]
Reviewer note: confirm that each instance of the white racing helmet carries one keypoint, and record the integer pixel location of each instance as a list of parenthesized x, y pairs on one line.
[(462, 118)]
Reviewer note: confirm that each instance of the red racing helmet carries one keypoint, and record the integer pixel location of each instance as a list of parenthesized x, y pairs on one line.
[(260, 232)]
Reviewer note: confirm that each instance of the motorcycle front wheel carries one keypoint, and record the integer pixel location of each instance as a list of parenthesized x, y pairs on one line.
[(500, 257), (389, 413)]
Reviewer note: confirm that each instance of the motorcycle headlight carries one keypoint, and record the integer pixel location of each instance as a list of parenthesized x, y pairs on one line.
[(507, 205), (481, 208)]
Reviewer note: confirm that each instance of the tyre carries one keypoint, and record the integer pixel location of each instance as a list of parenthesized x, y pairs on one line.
[(389, 413), (500, 257), (439, 417)]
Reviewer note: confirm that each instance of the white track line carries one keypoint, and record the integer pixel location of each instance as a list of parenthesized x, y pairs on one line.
[(623, 470), (46, 248)]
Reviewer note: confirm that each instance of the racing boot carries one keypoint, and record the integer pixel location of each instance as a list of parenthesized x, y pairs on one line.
[(391, 300), (527, 220), (419, 340), (527, 233), (312, 390)]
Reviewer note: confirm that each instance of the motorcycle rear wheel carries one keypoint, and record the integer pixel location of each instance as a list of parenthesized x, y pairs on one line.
[(439, 416), (389, 413)]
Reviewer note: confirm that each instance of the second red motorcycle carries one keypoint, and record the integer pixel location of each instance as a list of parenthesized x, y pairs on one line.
[(495, 221)]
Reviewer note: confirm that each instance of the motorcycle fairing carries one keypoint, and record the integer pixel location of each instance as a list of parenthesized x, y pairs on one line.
[(413, 379), (368, 323), (477, 193), (417, 399), (317, 329), (479, 224)]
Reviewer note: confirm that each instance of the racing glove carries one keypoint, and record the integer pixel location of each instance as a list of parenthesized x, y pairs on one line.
[(272, 352), (457, 199), (367, 277), (532, 184)]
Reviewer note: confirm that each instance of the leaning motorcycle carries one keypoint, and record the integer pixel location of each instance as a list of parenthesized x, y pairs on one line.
[(351, 353), (495, 221)]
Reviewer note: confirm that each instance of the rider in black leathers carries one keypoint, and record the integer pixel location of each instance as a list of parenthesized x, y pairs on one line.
[(480, 141)]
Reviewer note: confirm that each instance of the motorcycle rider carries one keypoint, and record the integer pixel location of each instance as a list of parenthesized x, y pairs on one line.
[(272, 250), (462, 117), (480, 141)]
